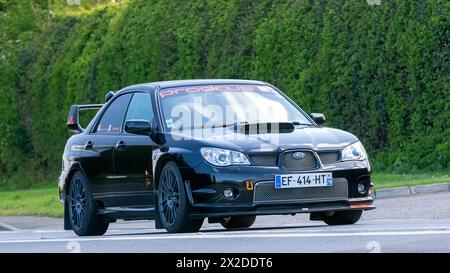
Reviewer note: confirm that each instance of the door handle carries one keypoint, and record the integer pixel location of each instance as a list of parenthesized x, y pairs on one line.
[(88, 145), (120, 145)]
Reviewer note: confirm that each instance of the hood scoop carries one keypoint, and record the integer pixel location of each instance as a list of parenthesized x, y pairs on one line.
[(265, 128)]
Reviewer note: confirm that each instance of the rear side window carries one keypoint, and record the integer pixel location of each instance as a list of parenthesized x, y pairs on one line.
[(140, 108), (112, 119)]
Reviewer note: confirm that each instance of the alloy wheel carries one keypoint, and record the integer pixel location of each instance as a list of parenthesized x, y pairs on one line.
[(170, 196), (78, 203)]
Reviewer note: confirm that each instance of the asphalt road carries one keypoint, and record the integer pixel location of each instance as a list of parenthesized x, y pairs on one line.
[(418, 223)]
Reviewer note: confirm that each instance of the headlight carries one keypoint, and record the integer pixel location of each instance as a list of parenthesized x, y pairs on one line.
[(354, 151), (222, 157)]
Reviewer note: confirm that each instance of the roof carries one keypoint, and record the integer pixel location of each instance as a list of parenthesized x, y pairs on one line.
[(177, 83), (167, 84)]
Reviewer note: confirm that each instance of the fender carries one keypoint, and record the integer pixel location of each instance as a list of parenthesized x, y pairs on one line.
[(63, 186), (182, 157), (65, 177)]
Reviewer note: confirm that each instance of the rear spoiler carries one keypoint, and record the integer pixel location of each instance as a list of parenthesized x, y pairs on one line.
[(73, 119)]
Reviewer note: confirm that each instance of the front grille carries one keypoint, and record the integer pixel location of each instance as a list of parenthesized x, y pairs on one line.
[(329, 157), (308, 162), (264, 160), (265, 192)]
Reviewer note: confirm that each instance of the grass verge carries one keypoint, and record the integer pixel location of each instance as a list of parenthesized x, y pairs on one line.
[(389, 180), (44, 201)]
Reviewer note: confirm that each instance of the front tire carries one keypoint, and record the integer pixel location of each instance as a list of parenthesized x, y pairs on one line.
[(82, 210), (237, 221), (173, 205), (349, 217)]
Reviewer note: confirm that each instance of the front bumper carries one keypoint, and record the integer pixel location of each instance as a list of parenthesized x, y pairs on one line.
[(364, 203), (205, 186)]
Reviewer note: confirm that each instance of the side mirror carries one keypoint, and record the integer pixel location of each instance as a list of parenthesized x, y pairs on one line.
[(138, 127), (318, 118)]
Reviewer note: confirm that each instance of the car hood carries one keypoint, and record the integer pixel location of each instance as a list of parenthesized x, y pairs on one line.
[(314, 138)]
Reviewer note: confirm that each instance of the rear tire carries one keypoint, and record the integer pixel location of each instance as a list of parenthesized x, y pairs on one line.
[(237, 221), (349, 217), (173, 204), (82, 210)]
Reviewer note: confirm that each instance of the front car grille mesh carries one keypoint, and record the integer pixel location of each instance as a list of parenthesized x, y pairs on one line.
[(264, 160), (308, 162), (265, 192), (329, 157)]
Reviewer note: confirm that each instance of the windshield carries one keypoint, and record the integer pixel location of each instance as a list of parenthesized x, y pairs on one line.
[(225, 105)]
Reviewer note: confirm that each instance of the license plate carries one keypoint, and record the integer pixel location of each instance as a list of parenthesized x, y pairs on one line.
[(307, 180)]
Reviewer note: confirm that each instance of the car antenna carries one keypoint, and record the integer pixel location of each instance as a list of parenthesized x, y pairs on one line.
[(109, 95)]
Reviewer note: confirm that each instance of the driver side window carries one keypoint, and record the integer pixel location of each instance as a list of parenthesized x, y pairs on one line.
[(140, 108)]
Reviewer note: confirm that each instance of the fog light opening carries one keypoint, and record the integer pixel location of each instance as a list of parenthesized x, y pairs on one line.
[(228, 193), (362, 189)]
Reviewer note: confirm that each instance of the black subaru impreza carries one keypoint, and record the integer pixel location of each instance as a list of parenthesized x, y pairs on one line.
[(227, 150)]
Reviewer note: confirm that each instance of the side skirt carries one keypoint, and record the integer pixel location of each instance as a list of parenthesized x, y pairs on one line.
[(128, 213)]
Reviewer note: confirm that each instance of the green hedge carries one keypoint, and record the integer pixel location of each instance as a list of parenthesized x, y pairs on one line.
[(379, 71)]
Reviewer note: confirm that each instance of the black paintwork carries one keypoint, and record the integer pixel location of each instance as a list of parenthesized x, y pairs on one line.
[(123, 169)]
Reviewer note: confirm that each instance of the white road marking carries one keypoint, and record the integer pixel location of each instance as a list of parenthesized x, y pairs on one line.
[(228, 235), (401, 220), (255, 229), (330, 229), (49, 231)]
